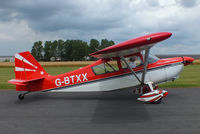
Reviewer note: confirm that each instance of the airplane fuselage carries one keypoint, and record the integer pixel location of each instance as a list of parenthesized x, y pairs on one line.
[(85, 80), (162, 71)]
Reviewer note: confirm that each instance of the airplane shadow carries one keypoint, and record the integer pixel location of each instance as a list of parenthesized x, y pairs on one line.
[(119, 106)]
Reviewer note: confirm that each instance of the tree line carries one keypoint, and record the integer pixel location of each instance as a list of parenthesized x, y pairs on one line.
[(69, 50)]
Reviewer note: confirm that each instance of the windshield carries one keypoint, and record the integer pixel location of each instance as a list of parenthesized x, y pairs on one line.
[(152, 58), (134, 61)]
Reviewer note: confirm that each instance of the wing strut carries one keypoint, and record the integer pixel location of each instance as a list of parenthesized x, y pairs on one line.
[(145, 65), (133, 72)]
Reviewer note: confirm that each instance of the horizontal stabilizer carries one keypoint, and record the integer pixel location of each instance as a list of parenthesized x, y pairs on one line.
[(19, 82)]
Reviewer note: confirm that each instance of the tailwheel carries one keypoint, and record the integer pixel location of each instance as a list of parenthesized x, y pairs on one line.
[(21, 96)]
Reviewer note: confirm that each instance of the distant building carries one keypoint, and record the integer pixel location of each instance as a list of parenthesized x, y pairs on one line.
[(7, 58), (55, 59)]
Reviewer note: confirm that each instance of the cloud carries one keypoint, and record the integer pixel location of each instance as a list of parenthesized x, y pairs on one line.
[(23, 22), (57, 15), (188, 3)]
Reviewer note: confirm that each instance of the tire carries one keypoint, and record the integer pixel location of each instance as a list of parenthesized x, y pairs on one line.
[(21, 97)]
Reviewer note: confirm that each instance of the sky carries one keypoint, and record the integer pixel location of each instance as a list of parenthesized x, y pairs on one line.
[(22, 22)]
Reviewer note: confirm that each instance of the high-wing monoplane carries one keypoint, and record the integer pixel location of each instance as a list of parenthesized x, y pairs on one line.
[(125, 65)]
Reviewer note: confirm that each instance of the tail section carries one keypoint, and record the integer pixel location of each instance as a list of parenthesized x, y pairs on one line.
[(27, 69)]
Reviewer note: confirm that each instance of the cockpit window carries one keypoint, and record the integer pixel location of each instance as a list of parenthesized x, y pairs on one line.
[(106, 67), (133, 61), (152, 58)]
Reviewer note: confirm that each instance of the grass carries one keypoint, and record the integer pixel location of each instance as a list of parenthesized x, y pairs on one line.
[(190, 77), (7, 73), (196, 62)]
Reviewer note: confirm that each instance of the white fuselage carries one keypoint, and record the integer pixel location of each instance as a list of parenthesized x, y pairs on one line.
[(156, 75)]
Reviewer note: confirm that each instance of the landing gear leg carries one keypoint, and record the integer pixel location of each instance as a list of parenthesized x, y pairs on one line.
[(136, 90), (21, 96)]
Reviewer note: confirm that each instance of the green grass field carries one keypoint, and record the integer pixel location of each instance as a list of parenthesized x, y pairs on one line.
[(190, 77), (7, 73)]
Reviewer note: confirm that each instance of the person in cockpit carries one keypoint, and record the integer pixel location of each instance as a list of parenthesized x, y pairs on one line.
[(132, 62)]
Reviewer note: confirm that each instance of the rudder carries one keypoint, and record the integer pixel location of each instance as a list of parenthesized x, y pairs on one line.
[(27, 67)]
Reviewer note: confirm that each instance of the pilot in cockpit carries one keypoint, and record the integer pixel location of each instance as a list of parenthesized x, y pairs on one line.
[(132, 62)]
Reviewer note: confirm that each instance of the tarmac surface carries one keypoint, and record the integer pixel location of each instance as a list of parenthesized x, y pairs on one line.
[(116, 112)]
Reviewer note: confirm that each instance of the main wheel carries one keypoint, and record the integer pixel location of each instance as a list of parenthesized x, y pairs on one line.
[(21, 97)]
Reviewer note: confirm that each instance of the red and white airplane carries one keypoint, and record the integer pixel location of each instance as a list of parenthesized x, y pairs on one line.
[(112, 71)]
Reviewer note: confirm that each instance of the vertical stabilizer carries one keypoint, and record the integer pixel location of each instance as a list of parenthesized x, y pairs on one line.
[(27, 68)]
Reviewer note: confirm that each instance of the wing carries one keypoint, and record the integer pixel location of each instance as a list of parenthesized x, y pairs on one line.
[(131, 46)]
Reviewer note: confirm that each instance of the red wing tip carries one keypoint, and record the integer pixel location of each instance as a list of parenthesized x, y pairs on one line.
[(168, 33)]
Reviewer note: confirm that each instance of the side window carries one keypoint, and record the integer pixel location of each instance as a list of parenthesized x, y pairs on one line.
[(133, 61), (124, 64), (106, 67)]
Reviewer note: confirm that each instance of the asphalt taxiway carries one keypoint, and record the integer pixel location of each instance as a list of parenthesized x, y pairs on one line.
[(99, 113)]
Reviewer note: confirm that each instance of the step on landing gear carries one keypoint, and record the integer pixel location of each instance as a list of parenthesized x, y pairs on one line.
[(152, 94)]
